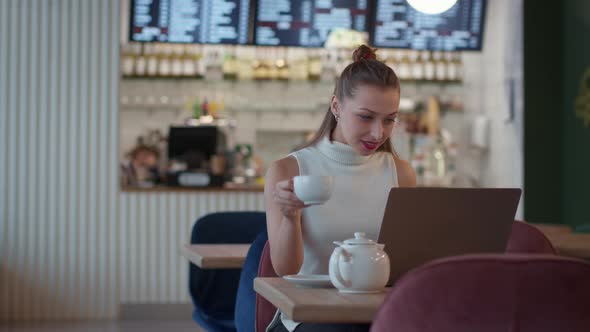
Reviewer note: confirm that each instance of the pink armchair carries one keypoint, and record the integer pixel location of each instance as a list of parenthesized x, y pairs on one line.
[(264, 309), (528, 239), (517, 292)]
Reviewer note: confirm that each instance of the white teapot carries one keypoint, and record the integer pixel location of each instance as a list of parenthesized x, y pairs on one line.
[(359, 265)]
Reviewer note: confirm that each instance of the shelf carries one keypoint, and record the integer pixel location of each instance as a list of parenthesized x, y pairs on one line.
[(288, 82), (167, 78), (219, 81), (173, 108), (153, 107)]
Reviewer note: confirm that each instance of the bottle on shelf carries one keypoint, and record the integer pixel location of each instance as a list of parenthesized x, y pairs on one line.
[(188, 107), (298, 64), (128, 58), (392, 61), (245, 57), (454, 67), (271, 63), (213, 62), (282, 65), (188, 64), (452, 153), (329, 59), (343, 59), (141, 62), (459, 64), (260, 66), (441, 64), (205, 107), (177, 61), (256, 69), (436, 169), (229, 66), (165, 61), (429, 66), (404, 71), (212, 109), (417, 66), (149, 62), (314, 65), (199, 58), (197, 108), (418, 165)]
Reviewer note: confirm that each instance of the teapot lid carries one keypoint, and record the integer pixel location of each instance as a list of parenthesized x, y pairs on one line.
[(359, 238)]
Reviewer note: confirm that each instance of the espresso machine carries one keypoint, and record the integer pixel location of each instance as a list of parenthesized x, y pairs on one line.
[(196, 156)]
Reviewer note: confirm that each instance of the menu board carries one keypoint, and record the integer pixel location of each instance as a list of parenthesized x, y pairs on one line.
[(399, 25), (306, 22), (190, 21)]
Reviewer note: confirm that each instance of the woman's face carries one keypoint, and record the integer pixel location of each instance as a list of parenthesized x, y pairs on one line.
[(367, 118)]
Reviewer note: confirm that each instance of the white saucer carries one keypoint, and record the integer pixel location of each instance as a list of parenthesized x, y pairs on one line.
[(310, 203), (310, 280), (349, 291)]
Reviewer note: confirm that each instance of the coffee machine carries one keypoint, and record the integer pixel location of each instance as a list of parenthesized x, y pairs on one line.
[(193, 147)]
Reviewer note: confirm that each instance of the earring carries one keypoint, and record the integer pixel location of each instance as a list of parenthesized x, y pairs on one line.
[(337, 117)]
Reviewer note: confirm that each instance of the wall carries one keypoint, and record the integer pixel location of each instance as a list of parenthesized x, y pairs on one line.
[(485, 91), (274, 116), (576, 136), (543, 104), (488, 77), (557, 159), (58, 119), (73, 246), (259, 108), (151, 227)]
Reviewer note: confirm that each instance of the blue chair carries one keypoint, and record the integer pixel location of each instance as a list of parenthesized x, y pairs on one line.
[(245, 314), (213, 291)]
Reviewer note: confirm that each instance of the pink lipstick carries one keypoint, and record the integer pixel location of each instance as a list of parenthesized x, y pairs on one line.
[(370, 145)]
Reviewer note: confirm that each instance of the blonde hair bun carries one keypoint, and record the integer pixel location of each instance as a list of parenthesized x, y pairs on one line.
[(364, 52)]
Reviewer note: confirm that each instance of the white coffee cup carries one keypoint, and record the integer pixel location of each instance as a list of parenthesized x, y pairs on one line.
[(313, 189)]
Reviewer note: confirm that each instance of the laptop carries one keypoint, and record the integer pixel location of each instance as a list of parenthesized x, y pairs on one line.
[(423, 224)]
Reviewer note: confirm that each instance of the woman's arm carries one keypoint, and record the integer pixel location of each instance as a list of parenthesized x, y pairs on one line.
[(283, 217), (406, 175)]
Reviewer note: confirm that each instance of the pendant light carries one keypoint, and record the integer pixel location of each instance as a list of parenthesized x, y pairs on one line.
[(432, 6)]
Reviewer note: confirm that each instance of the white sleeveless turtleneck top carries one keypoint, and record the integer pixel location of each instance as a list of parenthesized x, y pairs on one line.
[(357, 204)]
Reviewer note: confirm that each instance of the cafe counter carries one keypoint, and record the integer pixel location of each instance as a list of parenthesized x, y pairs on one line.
[(155, 222)]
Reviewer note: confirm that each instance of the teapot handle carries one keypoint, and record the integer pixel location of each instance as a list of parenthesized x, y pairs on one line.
[(335, 266)]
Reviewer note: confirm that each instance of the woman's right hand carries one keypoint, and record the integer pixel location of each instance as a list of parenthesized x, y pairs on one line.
[(283, 216), (284, 196)]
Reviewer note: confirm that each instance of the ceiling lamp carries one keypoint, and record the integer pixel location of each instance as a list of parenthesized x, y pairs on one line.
[(432, 6)]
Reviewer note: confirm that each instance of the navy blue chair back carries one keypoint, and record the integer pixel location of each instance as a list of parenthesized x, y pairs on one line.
[(245, 315), (213, 291)]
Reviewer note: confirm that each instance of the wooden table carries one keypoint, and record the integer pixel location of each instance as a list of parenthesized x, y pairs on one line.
[(319, 305), (216, 256), (565, 241), (574, 245)]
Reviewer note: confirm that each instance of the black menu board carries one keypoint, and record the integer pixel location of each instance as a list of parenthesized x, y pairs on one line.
[(190, 21), (399, 25), (306, 23)]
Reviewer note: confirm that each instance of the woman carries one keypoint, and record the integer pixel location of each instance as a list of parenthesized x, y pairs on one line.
[(352, 143)]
